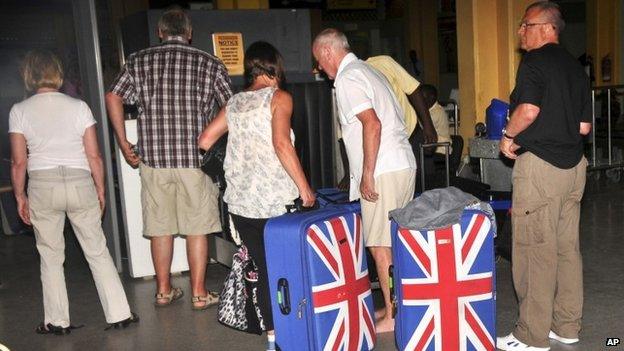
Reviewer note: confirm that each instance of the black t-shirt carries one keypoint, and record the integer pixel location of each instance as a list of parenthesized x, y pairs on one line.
[(553, 80)]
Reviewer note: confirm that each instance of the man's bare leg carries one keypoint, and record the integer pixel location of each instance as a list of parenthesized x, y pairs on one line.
[(197, 255), (162, 253), (383, 260)]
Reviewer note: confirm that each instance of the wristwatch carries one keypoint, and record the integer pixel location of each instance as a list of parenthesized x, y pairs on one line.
[(507, 135)]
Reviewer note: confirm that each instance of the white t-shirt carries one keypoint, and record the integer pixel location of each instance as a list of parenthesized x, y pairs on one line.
[(360, 87), (53, 125)]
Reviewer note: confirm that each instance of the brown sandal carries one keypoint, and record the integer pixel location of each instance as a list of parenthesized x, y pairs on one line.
[(173, 295), (211, 299)]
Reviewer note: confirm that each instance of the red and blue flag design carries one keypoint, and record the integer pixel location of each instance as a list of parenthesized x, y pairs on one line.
[(446, 282), (341, 294)]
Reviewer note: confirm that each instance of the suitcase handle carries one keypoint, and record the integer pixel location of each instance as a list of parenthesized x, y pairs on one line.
[(297, 206), (422, 148), (283, 296)]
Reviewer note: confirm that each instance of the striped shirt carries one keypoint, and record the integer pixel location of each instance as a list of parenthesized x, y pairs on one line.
[(177, 89)]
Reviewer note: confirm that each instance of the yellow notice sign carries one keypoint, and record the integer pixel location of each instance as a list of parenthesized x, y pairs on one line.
[(229, 48)]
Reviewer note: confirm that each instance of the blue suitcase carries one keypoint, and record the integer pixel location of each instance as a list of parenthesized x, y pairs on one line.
[(318, 276), (331, 196), (444, 286)]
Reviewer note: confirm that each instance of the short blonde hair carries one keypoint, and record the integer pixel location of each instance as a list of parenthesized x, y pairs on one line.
[(42, 69)]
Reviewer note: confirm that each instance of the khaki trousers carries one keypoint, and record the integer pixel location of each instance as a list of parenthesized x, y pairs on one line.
[(52, 194), (546, 261)]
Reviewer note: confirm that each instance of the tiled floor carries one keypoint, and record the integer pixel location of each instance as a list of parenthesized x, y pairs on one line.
[(179, 328)]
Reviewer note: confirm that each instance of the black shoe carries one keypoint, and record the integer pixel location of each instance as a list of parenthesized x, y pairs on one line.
[(125, 323), (53, 329)]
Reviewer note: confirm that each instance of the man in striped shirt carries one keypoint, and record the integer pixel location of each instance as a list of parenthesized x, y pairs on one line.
[(177, 89)]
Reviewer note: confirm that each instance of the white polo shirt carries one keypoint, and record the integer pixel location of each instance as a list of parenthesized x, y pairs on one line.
[(360, 87)]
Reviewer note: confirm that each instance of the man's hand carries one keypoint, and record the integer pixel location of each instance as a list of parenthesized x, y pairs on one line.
[(429, 134), (367, 189), (521, 118), (23, 209), (131, 158), (508, 148)]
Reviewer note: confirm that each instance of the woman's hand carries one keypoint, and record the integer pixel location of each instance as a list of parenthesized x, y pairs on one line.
[(19, 160), (23, 209), (213, 131), (281, 107), (102, 200), (308, 197)]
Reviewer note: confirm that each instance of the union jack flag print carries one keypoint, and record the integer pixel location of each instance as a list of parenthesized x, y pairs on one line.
[(445, 295), (341, 294)]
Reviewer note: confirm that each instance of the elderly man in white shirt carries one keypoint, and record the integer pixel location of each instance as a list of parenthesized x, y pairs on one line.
[(381, 161)]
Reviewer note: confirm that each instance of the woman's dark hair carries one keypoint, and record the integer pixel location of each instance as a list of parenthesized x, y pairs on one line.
[(263, 58)]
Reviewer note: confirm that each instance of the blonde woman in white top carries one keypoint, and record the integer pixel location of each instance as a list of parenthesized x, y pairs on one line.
[(53, 137), (262, 170)]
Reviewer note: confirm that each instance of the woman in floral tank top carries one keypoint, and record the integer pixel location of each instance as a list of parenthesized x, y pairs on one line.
[(262, 170)]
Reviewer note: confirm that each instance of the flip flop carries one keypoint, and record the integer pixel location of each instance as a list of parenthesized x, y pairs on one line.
[(211, 299), (173, 295)]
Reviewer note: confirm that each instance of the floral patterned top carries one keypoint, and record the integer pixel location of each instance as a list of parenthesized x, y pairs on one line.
[(257, 183)]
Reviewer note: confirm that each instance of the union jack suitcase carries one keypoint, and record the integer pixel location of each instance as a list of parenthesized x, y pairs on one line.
[(444, 286), (318, 276)]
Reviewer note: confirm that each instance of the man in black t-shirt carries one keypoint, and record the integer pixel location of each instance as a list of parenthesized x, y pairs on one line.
[(551, 111)]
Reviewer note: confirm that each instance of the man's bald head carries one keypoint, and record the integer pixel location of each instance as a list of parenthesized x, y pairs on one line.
[(329, 48), (333, 38)]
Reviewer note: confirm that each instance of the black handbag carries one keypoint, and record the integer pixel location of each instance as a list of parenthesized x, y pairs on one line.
[(212, 162)]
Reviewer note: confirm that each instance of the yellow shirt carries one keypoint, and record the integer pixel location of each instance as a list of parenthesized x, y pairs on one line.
[(402, 84), (440, 120)]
